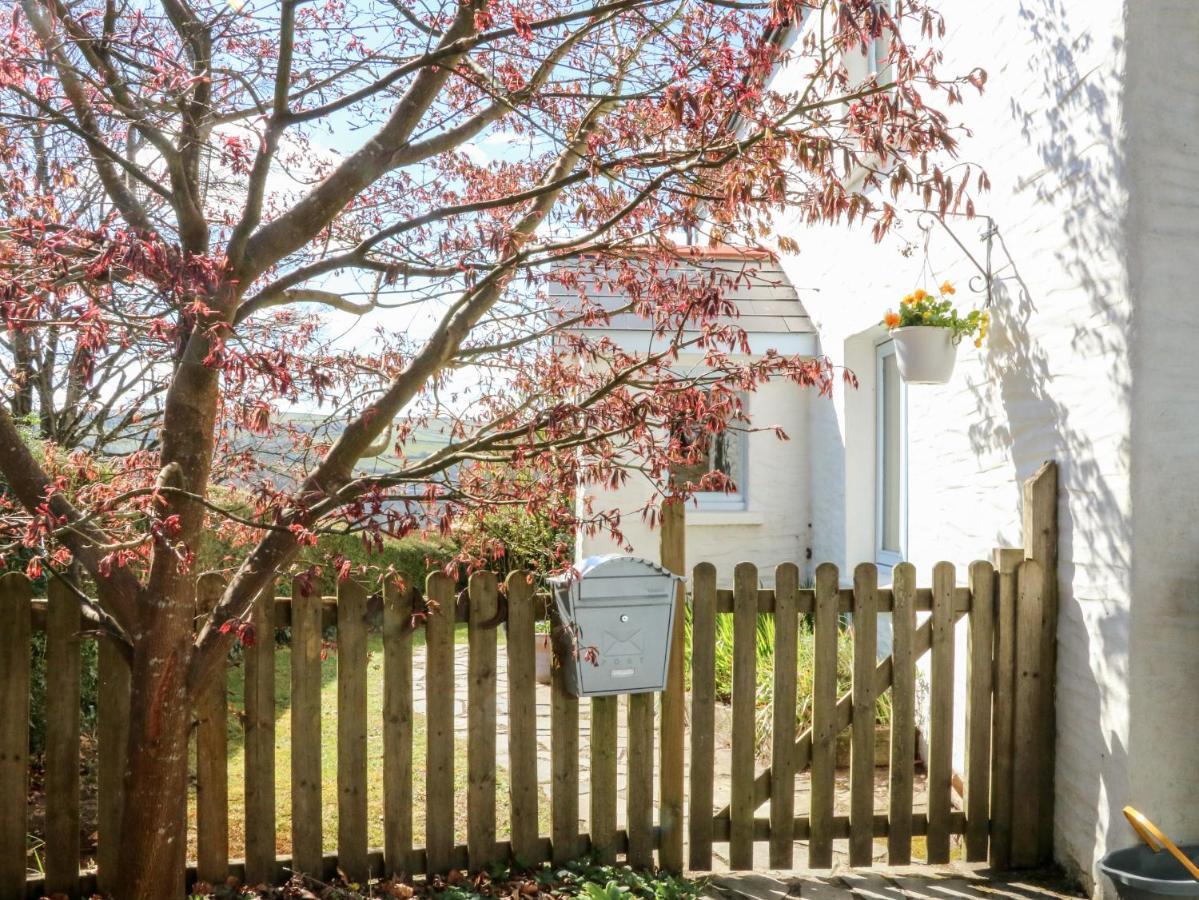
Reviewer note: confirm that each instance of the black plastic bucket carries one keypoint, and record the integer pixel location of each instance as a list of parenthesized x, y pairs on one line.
[(1141, 874)]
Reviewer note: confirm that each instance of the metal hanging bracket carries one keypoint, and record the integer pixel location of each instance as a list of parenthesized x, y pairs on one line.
[(986, 279)]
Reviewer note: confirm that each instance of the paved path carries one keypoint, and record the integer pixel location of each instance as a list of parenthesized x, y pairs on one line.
[(723, 754), (954, 882)]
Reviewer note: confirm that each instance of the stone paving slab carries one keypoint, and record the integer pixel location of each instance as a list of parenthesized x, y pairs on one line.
[(956, 881)]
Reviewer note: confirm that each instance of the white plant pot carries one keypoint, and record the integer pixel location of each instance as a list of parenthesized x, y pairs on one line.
[(925, 354), (544, 658)]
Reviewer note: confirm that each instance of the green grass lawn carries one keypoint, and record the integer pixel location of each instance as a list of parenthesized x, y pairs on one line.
[(237, 786)]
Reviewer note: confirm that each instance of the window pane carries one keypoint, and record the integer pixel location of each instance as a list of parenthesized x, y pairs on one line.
[(892, 505)]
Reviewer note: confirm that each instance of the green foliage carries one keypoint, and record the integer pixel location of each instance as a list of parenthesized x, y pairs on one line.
[(520, 538), (764, 653), (938, 311), (410, 558), (595, 881)]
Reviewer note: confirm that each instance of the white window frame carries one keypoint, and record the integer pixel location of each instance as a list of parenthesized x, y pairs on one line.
[(882, 556), (739, 499)]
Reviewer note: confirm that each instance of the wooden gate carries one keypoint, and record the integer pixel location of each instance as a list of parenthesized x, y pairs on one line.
[(1003, 700)]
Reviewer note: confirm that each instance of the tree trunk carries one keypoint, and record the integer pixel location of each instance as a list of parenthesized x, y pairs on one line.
[(154, 822)]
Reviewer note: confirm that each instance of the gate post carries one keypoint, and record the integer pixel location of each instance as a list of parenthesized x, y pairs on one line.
[(1006, 561), (670, 770), (1040, 543)]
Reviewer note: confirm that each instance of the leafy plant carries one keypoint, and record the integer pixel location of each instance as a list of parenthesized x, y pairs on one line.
[(596, 881), (937, 310), (764, 639)]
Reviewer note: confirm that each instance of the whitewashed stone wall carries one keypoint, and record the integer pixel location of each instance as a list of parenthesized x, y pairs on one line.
[(1089, 131), (775, 526)]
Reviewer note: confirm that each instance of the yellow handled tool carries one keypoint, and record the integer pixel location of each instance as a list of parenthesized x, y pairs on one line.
[(1152, 835)]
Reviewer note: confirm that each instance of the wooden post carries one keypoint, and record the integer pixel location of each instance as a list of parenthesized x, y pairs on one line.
[(63, 623), (782, 754), (481, 715), (212, 753), (670, 809), (861, 758), (824, 718), (903, 715), (522, 719), (745, 686), (979, 673), (260, 742), (1007, 560), (1040, 543), (703, 713), (15, 627), (439, 716), (1031, 723), (940, 730), (397, 726)]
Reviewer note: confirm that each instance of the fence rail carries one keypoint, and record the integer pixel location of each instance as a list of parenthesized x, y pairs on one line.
[(1003, 661)]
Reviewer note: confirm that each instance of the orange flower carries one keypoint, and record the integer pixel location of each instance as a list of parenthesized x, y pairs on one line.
[(891, 319), (907, 301), (948, 288), (920, 294)]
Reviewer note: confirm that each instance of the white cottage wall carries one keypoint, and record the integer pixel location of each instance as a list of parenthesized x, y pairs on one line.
[(1053, 382), (1163, 141), (775, 526)]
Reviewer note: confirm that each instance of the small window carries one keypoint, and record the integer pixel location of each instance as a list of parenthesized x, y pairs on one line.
[(890, 492), (726, 453)]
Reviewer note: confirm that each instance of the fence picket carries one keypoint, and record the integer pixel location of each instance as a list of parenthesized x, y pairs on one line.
[(351, 731), (602, 814), (940, 732), (1027, 743), (522, 717), (564, 753), (212, 754), (741, 794), (439, 711), (63, 622), (112, 735), (861, 774), (307, 811), (397, 726), (672, 703), (260, 742), (1006, 562), (703, 714), (639, 793), (824, 717), (483, 597), (15, 629), (782, 754), (903, 715), (978, 709)]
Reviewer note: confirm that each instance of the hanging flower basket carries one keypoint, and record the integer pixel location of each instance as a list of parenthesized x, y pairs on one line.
[(927, 330), (925, 354)]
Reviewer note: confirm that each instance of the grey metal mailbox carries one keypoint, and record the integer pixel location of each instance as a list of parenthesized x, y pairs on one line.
[(616, 617)]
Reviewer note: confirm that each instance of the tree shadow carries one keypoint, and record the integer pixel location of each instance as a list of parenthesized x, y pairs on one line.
[(1037, 354)]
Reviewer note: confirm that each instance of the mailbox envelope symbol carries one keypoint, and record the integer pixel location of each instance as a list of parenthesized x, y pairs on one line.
[(623, 643)]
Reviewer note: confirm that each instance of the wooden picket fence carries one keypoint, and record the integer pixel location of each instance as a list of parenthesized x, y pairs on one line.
[(1003, 606), (1000, 806)]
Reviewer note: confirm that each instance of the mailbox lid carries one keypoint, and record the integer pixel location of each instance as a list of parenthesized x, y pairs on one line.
[(616, 579)]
